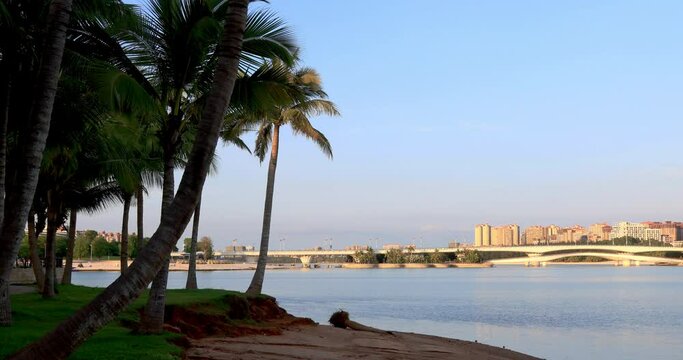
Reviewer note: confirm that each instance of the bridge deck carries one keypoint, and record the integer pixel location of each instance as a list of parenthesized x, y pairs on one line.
[(535, 250)]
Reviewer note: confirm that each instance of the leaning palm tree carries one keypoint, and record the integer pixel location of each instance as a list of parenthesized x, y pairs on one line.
[(63, 340), (164, 63), (311, 100)]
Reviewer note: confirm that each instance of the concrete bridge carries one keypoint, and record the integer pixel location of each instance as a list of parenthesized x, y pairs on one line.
[(623, 259), (623, 255), (306, 255), (535, 255)]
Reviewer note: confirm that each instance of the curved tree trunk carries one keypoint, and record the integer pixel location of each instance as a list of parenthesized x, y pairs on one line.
[(124, 232), (257, 281), (68, 335), (139, 198), (152, 321), (71, 242), (5, 90), (192, 268), (20, 194), (36, 263)]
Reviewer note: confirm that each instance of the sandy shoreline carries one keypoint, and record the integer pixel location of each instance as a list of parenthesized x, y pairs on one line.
[(326, 342)]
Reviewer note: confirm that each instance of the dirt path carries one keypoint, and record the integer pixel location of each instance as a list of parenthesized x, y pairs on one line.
[(326, 342)]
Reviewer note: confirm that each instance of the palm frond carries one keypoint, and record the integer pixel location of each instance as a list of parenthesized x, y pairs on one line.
[(302, 126), (317, 107), (263, 139), (5, 16), (95, 197), (231, 132), (264, 89), (267, 37)]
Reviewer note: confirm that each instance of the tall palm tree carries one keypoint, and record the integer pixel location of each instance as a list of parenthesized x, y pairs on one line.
[(19, 193), (182, 36), (34, 229), (165, 63), (60, 342), (231, 136), (312, 100), (139, 204), (86, 149)]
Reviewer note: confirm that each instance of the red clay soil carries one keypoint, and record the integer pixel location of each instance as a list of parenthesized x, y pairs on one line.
[(245, 329), (246, 316)]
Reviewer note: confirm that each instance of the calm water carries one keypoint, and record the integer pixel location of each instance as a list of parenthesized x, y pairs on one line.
[(561, 312)]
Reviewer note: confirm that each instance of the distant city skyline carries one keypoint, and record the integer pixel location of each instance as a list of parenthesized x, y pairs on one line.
[(525, 112), (667, 231)]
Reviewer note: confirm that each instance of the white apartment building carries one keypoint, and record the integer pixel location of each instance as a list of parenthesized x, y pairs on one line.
[(635, 230)]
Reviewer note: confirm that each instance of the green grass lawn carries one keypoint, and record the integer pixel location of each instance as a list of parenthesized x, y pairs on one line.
[(34, 316)]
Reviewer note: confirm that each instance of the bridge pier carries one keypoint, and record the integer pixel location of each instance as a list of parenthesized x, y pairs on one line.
[(628, 262), (306, 261)]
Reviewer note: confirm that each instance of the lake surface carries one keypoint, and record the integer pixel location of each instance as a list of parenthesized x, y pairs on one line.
[(557, 312)]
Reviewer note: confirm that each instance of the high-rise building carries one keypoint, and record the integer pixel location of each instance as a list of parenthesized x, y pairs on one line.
[(486, 232), (478, 237), (515, 234), (551, 232), (534, 235), (570, 234), (635, 230), (599, 232), (506, 235), (670, 231), (482, 235)]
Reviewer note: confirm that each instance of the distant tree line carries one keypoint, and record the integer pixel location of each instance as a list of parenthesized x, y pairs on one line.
[(407, 256)]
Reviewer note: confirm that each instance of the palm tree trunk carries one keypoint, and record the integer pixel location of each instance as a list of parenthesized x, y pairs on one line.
[(18, 200), (192, 268), (124, 232), (140, 198), (152, 321), (71, 242), (36, 264), (4, 118), (257, 281), (64, 339), (52, 224)]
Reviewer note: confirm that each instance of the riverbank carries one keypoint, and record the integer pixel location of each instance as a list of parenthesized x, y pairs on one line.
[(220, 324)]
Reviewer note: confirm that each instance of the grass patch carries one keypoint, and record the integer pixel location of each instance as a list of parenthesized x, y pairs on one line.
[(35, 316)]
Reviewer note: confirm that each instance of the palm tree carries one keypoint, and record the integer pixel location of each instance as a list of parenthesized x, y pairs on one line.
[(165, 63), (182, 37), (231, 136), (70, 244), (139, 204), (60, 342), (19, 193), (311, 101), (36, 263)]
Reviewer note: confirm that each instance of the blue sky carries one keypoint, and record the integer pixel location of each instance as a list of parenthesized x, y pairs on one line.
[(461, 112)]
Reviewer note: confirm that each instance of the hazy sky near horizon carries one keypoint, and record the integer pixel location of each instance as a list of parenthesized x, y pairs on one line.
[(462, 112)]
